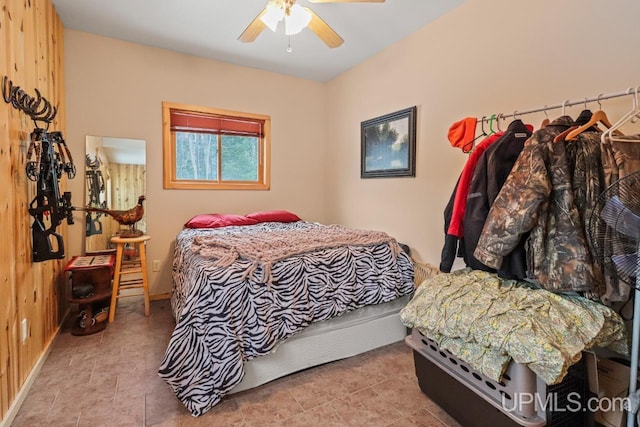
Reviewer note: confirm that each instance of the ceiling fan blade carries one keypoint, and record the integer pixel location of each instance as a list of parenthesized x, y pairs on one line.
[(323, 30), (254, 29), (346, 1)]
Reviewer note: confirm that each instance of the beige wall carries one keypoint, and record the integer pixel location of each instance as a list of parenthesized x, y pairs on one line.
[(115, 89), (483, 57)]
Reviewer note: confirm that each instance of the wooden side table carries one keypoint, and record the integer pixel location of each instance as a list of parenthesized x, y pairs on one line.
[(95, 271)]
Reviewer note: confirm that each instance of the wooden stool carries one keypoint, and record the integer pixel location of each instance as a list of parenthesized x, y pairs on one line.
[(124, 267)]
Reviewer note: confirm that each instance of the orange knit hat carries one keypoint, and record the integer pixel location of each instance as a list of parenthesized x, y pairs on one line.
[(462, 133)]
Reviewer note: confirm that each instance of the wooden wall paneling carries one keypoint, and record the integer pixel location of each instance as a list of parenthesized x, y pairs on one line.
[(48, 298), (29, 276), (56, 62), (57, 76), (100, 242), (14, 53), (9, 302), (127, 184), (6, 272), (31, 55), (7, 276), (42, 31), (4, 214), (36, 68)]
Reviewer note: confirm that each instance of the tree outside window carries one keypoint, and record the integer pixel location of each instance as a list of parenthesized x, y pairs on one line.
[(210, 148)]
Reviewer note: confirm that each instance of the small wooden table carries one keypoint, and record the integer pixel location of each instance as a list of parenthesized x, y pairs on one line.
[(95, 270)]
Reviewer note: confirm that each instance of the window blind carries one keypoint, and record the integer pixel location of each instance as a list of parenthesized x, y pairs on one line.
[(184, 121)]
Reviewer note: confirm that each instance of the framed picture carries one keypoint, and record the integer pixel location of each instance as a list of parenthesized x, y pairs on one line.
[(388, 145)]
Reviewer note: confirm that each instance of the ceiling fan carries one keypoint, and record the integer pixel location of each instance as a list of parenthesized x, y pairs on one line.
[(296, 18)]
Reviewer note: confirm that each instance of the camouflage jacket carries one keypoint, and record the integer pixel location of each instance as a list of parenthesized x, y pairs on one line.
[(587, 176), (620, 158), (538, 197)]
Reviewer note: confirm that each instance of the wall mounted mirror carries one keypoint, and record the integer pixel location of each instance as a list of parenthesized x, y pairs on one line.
[(115, 170)]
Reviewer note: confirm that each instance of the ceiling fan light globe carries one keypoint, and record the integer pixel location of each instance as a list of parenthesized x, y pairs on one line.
[(273, 15), (297, 19)]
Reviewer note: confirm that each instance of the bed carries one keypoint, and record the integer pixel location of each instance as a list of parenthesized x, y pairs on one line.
[(256, 302)]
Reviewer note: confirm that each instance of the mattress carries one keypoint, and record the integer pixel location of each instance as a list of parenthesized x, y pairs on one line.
[(233, 312)]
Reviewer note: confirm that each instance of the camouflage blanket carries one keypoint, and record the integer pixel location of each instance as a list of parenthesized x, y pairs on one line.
[(488, 321)]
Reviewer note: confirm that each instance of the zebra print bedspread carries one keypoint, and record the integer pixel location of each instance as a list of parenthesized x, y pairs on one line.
[(223, 320)]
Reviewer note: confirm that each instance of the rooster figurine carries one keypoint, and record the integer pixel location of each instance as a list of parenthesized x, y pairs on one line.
[(128, 217)]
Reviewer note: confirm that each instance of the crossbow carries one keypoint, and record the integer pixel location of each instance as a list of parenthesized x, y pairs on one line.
[(49, 208), (95, 185), (48, 157)]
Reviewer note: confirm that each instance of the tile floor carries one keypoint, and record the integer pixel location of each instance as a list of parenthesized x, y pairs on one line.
[(109, 379)]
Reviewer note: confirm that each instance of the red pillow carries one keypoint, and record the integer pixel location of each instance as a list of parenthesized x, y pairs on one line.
[(218, 220), (273, 216)]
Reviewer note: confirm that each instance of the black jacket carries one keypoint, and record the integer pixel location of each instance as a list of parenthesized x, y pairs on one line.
[(451, 246), (490, 174)]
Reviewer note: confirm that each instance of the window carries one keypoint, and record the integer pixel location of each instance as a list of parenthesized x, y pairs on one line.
[(206, 148)]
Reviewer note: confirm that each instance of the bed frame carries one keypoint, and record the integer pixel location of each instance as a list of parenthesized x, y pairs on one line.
[(353, 333)]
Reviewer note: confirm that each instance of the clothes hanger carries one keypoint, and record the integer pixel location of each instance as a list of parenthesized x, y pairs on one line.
[(585, 115), (515, 116), (564, 106), (601, 117), (563, 135), (491, 120), (613, 130), (484, 132), (598, 117), (546, 119), (498, 117)]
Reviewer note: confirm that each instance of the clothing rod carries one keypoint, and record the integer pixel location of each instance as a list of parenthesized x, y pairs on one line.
[(567, 103)]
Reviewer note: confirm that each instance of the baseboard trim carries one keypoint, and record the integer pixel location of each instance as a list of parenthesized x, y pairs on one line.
[(26, 387), (157, 297)]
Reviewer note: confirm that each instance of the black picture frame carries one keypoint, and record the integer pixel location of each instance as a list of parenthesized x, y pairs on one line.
[(388, 145)]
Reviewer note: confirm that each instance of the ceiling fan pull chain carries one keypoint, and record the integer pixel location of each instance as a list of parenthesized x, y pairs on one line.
[(289, 48)]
